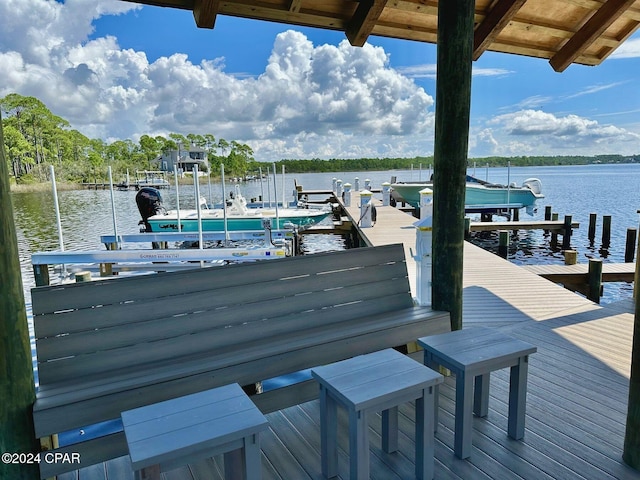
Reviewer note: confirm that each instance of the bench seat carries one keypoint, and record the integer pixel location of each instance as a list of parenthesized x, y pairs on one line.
[(109, 346)]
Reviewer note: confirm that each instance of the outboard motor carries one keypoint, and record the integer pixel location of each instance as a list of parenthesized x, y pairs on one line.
[(149, 203)]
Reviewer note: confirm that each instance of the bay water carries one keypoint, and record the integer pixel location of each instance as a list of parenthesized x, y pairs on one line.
[(571, 190)]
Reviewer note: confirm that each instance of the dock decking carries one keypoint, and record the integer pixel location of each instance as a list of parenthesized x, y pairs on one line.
[(576, 402)]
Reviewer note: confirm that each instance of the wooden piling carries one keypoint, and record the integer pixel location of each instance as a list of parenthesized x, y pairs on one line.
[(631, 449), (570, 257), (606, 231), (453, 105), (566, 235), (593, 218), (630, 246), (547, 212), (594, 275), (503, 243), (17, 388)]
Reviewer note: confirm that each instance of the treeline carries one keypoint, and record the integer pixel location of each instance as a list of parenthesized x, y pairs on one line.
[(366, 164), (35, 139)]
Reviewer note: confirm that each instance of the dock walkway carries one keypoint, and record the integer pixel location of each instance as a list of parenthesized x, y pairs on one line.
[(576, 402)]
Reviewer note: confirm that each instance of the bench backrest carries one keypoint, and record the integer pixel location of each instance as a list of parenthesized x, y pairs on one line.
[(91, 330)]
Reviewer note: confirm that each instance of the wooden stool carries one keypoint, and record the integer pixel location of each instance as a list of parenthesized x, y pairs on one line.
[(370, 383), (472, 354), (223, 420)]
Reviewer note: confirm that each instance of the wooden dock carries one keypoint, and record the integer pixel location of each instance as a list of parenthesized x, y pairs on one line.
[(611, 272), (576, 402), (551, 225)]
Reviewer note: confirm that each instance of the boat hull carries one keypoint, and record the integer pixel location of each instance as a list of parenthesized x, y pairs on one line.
[(215, 222), (475, 194)]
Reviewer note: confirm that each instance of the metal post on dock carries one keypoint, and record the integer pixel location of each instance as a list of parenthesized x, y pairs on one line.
[(386, 194), (593, 218), (606, 231), (365, 209), (339, 188), (347, 194), (595, 280), (630, 245), (426, 203), (356, 184)]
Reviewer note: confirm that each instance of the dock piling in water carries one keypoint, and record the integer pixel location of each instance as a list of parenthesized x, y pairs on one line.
[(606, 231), (593, 218), (629, 249)]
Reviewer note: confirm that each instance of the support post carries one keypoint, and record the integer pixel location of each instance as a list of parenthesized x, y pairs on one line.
[(453, 104), (606, 231), (631, 449), (593, 217), (570, 257), (17, 388), (566, 234), (594, 289), (346, 195), (386, 194), (629, 250), (503, 243)]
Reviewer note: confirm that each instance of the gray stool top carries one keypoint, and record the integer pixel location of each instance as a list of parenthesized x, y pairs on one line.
[(367, 380), (173, 429)]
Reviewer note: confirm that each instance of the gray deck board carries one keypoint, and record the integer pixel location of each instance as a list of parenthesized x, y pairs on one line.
[(576, 397)]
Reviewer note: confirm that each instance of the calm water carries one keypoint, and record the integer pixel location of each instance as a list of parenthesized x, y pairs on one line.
[(571, 190)]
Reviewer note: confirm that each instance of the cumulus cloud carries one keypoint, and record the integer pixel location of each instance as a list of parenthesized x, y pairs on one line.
[(324, 95), (551, 133)]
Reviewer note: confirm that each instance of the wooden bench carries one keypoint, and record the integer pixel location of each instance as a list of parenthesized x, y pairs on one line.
[(108, 346)]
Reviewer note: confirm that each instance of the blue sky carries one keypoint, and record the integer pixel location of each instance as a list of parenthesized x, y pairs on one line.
[(117, 70)]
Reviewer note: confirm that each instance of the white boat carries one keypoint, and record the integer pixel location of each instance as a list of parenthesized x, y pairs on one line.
[(238, 217), (478, 193)]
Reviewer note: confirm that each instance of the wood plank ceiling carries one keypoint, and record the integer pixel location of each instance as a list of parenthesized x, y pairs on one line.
[(563, 31)]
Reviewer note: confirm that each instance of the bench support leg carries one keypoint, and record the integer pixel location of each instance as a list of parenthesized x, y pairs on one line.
[(328, 434)]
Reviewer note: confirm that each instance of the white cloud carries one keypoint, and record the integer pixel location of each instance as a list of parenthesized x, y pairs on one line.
[(629, 49), (516, 133)]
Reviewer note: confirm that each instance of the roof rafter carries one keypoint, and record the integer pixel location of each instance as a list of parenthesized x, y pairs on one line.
[(204, 12), (608, 13), (364, 19), (498, 18)]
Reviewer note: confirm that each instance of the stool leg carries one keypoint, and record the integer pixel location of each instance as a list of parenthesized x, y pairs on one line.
[(328, 434), (148, 473), (390, 430), (252, 460), (428, 361), (518, 398), (358, 445), (425, 443), (481, 395), (234, 465), (464, 415)]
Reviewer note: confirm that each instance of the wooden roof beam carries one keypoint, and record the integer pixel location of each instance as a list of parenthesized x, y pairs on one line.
[(608, 13), (364, 19), (494, 22), (294, 6), (204, 12)]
